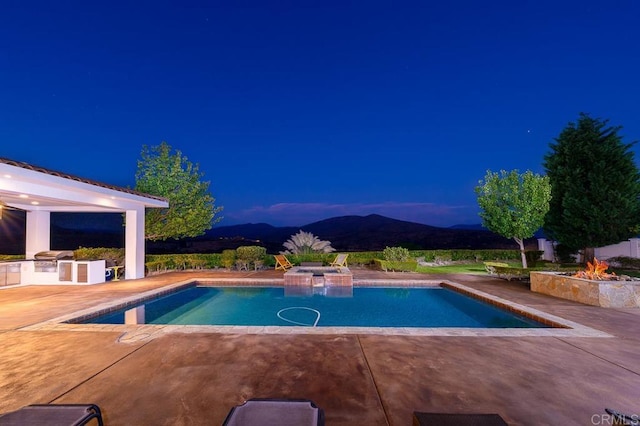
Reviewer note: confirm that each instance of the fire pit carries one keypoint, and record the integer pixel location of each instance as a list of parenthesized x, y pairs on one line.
[(592, 286), (596, 271)]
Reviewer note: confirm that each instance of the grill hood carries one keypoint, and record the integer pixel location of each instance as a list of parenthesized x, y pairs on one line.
[(52, 255)]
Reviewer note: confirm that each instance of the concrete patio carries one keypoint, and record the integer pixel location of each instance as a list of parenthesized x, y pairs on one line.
[(195, 378)]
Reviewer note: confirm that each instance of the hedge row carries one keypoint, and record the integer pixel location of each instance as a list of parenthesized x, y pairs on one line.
[(161, 262), (226, 260)]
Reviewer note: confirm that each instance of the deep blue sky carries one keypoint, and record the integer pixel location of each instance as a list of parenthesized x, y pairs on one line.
[(298, 111)]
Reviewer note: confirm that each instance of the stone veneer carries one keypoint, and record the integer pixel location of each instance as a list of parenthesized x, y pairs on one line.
[(318, 276), (607, 294)]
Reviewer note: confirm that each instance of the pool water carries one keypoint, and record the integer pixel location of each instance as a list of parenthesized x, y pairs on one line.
[(365, 307)]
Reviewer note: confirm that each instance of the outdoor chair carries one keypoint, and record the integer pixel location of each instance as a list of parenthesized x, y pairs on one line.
[(340, 260), (53, 415), (275, 412), (282, 262), (623, 419)]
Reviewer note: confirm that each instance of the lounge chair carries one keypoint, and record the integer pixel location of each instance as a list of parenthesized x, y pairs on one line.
[(340, 260), (275, 412), (623, 419), (53, 414), (282, 262)]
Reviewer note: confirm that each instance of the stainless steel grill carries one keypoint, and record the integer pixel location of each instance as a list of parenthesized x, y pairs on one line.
[(46, 261)]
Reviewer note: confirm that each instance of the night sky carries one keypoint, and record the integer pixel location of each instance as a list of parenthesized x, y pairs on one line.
[(301, 111)]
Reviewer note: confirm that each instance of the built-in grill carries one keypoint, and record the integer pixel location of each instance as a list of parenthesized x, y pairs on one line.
[(46, 261)]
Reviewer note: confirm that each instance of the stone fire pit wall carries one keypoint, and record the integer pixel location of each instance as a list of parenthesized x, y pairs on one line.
[(607, 294)]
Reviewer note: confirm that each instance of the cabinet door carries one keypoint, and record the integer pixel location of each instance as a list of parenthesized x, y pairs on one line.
[(13, 274), (64, 271), (83, 273)]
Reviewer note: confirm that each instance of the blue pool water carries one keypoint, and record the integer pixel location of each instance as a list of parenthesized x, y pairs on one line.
[(365, 307)]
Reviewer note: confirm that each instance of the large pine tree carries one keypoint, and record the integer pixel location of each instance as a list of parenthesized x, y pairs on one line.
[(595, 187)]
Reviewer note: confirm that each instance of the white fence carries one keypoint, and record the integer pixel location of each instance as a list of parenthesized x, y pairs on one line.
[(629, 248)]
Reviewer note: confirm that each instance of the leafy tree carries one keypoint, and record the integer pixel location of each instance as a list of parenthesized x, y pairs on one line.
[(305, 243), (170, 175), (513, 204), (595, 187)]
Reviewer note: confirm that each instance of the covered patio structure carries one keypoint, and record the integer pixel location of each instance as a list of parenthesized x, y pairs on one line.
[(40, 191)]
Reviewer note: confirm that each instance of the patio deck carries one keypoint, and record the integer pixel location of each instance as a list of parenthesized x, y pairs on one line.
[(195, 378)]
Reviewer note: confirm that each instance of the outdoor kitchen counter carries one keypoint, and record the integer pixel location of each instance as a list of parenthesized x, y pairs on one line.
[(55, 272)]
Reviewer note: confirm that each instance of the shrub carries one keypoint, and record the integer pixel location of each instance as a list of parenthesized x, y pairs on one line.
[(112, 256), (228, 258), (251, 255), (533, 257), (565, 254), (396, 265), (163, 262), (11, 256), (396, 254), (624, 262)]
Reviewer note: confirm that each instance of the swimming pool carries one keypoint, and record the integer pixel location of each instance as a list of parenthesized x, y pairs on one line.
[(359, 307)]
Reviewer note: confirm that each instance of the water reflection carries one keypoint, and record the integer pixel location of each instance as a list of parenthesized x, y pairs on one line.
[(134, 315)]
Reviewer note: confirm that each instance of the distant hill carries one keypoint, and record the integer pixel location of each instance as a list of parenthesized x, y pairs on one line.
[(346, 233), (538, 234), (476, 226)]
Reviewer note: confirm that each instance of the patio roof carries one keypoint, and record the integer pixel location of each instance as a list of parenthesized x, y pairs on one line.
[(40, 191), (28, 187)]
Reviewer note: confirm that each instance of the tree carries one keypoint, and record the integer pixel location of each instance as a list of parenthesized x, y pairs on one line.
[(595, 187), (514, 205), (305, 243), (191, 210)]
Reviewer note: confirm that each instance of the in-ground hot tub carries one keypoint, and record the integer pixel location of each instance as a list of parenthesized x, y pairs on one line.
[(318, 276)]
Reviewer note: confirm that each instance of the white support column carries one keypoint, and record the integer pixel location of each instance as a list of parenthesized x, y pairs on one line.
[(634, 247), (546, 247), (38, 233), (134, 245)]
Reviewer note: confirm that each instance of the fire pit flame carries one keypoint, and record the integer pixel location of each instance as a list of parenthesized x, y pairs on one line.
[(595, 271)]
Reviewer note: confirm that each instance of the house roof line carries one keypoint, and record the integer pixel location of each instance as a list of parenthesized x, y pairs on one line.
[(51, 172)]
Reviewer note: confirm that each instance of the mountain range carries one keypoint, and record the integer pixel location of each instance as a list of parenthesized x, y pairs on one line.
[(346, 233)]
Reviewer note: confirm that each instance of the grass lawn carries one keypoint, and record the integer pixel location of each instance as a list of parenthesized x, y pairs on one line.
[(478, 268), (456, 268)]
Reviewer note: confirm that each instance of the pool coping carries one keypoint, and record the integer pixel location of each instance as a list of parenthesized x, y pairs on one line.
[(131, 333)]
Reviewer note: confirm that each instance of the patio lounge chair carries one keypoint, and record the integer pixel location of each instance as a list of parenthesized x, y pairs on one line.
[(282, 262), (623, 419), (340, 260), (450, 419), (53, 414), (275, 412)]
